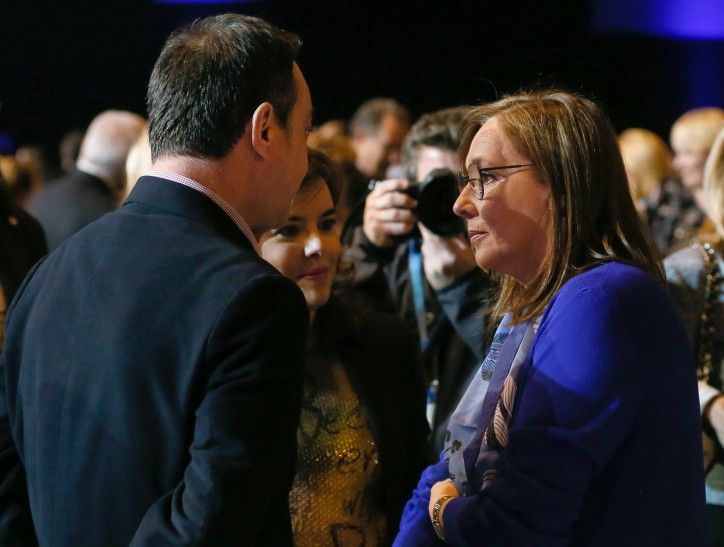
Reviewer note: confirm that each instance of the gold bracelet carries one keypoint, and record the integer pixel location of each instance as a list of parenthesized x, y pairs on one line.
[(436, 524)]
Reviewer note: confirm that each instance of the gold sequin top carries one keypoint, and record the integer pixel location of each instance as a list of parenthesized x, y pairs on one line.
[(337, 463)]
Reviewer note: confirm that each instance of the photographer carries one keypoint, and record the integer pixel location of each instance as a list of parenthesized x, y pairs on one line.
[(430, 280)]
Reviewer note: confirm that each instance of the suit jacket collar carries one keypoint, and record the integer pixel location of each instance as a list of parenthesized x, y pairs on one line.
[(181, 200)]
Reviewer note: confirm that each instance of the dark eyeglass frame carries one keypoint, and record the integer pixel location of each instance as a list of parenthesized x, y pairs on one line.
[(478, 189)]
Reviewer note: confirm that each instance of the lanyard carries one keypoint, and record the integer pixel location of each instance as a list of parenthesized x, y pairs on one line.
[(417, 283)]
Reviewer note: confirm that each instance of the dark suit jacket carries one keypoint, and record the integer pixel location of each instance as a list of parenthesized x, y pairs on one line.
[(382, 362), (22, 243), (151, 384), (65, 206)]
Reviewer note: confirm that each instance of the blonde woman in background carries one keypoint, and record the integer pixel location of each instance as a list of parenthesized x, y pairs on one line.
[(138, 162), (647, 160), (676, 213), (692, 136), (695, 277)]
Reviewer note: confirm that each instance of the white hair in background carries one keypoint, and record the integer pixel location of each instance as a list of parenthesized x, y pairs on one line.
[(106, 144)]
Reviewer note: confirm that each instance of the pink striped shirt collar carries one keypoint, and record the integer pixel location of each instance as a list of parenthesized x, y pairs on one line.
[(217, 199)]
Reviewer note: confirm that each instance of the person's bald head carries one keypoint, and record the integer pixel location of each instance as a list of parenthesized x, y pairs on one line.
[(106, 143)]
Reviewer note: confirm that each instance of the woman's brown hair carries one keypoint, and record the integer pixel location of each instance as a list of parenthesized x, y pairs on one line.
[(320, 166), (575, 152)]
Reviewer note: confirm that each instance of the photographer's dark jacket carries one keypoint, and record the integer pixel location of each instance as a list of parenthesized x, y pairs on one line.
[(456, 317)]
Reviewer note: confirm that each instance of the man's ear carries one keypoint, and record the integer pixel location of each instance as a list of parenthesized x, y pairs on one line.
[(263, 123)]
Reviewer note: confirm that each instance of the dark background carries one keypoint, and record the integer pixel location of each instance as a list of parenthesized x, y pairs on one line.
[(63, 62)]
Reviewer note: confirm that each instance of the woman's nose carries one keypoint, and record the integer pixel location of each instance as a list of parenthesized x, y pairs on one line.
[(463, 206), (313, 246)]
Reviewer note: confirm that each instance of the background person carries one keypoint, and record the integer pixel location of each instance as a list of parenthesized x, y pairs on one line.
[(65, 206), (647, 160), (557, 441), (377, 130), (362, 435), (22, 244), (676, 213), (138, 163), (695, 276), (393, 254)]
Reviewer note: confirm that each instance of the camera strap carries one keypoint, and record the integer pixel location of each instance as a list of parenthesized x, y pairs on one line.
[(417, 283)]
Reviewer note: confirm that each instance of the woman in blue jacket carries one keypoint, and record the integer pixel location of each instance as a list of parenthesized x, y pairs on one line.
[(582, 425)]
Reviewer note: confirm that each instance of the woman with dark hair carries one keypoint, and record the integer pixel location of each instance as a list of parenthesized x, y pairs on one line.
[(581, 427), (362, 433), (22, 243)]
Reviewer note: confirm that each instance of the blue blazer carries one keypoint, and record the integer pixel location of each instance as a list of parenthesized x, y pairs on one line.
[(604, 440), (151, 384)]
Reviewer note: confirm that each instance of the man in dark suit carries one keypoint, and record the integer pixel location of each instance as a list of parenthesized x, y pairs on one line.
[(22, 243), (65, 206), (151, 380)]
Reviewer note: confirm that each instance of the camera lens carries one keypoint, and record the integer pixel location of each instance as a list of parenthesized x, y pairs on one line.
[(436, 195)]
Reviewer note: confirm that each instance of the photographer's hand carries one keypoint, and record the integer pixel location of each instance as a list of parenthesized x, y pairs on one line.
[(388, 212), (445, 259)]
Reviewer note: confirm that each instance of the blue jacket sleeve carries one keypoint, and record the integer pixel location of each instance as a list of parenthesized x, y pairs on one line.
[(415, 527)]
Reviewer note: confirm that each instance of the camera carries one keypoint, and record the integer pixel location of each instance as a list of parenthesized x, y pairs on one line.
[(435, 196)]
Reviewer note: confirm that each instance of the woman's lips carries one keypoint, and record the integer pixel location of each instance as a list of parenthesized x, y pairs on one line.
[(315, 274), (475, 234)]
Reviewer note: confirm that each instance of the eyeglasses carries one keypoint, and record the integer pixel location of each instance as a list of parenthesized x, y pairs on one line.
[(487, 179)]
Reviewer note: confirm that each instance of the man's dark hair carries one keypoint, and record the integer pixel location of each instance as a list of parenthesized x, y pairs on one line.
[(441, 129), (368, 117), (209, 79)]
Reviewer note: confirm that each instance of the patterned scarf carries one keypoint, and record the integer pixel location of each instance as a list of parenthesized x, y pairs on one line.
[(478, 429)]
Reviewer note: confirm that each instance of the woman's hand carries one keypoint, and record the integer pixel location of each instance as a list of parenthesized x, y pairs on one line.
[(716, 417), (440, 489)]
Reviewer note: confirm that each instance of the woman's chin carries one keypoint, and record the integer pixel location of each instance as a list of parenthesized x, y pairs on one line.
[(316, 300)]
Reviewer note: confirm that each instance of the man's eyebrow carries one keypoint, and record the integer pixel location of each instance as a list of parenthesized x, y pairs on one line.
[(328, 212)]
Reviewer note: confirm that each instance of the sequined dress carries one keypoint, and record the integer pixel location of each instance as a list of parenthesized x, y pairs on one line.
[(337, 465)]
